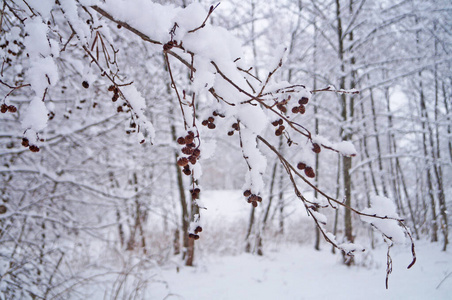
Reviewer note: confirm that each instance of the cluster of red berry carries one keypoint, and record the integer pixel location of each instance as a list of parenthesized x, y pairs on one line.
[(8, 108), (235, 127), (193, 153), (252, 198), (26, 143), (209, 122), (195, 235)]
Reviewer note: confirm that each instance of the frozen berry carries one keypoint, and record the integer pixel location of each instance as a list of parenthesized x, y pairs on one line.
[(189, 139), (192, 159), (301, 166), (316, 148), (301, 109), (34, 148), (211, 126), (85, 84), (303, 101), (183, 161), (247, 193), (196, 152), (187, 150), (25, 142), (309, 172), (4, 108), (181, 141)]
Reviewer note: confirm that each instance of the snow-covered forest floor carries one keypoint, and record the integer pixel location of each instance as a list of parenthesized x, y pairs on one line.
[(289, 269)]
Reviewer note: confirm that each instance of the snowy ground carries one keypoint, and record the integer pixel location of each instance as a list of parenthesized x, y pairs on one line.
[(295, 272), (291, 271)]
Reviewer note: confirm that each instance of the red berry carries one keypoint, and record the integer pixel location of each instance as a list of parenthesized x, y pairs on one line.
[(303, 101), (316, 148), (309, 172), (182, 162), (301, 166)]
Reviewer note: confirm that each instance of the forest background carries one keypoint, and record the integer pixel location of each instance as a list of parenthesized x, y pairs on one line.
[(92, 187)]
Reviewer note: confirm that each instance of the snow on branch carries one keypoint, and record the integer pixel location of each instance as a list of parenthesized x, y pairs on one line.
[(213, 58)]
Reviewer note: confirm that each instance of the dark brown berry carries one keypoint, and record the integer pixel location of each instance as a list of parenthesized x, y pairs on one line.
[(111, 88), (115, 97), (181, 141), (282, 127), (280, 121), (278, 132), (247, 193), (254, 203), (196, 152), (211, 119), (303, 101), (198, 229), (189, 138), (295, 110), (187, 150), (3, 210), (309, 172), (302, 109), (12, 109), (316, 148), (191, 235), (215, 114), (204, 123), (25, 142), (191, 145), (301, 166), (211, 126), (4, 108), (182, 162), (119, 109), (253, 198), (186, 172), (196, 237), (230, 133), (235, 126), (192, 159), (190, 133), (34, 148), (275, 123), (85, 84)]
